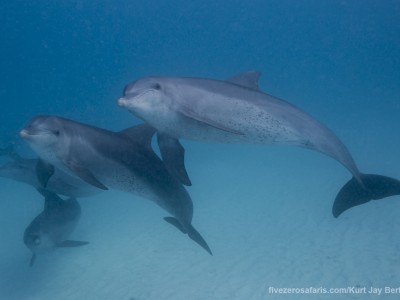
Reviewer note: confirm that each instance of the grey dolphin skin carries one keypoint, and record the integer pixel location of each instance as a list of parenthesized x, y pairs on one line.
[(237, 111), (24, 170), (120, 160), (53, 226)]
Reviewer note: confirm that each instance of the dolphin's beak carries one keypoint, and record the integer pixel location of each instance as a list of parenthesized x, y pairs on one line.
[(23, 133), (122, 102)]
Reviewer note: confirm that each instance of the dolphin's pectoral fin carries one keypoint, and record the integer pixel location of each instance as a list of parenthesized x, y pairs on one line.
[(247, 79), (44, 171), (69, 243), (187, 112), (85, 175), (32, 261), (189, 230), (173, 155), (353, 193)]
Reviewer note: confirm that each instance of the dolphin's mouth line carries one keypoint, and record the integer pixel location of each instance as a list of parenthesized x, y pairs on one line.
[(123, 101), (24, 133)]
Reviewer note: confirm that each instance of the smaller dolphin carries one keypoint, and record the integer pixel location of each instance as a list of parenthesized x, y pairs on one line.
[(52, 227), (24, 170), (237, 111)]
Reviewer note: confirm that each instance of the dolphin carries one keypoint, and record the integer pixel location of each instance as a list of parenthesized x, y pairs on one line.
[(52, 227), (24, 170), (237, 111), (10, 152), (121, 160)]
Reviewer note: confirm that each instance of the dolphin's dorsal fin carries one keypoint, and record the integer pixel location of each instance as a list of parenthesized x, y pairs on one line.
[(140, 134), (51, 199), (47, 194), (247, 79)]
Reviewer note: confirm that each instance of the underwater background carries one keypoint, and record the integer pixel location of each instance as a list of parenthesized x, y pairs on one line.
[(264, 210)]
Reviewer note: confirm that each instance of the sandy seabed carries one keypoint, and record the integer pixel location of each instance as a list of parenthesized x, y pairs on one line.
[(266, 215)]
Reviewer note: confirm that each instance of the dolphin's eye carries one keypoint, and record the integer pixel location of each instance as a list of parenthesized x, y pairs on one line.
[(56, 132), (157, 86)]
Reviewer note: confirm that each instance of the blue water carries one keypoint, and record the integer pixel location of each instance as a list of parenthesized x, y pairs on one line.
[(264, 210)]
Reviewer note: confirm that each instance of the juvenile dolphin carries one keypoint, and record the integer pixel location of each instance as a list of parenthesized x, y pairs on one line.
[(24, 170), (237, 111), (53, 226), (120, 160)]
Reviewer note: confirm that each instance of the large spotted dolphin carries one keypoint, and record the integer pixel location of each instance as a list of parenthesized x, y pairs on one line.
[(24, 170), (120, 160), (237, 111), (53, 226)]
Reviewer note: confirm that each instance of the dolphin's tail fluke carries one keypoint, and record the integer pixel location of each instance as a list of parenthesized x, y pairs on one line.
[(191, 232), (353, 193), (195, 236)]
